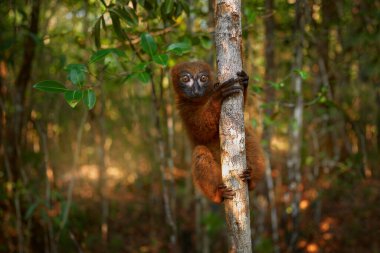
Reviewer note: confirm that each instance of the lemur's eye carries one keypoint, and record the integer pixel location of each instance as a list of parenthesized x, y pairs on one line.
[(204, 78), (184, 79)]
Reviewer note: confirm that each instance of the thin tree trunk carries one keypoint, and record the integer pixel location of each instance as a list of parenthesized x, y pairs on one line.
[(49, 179), (270, 76), (100, 140), (169, 121), (228, 40), (165, 175), (15, 121), (74, 169), (294, 161), (378, 119)]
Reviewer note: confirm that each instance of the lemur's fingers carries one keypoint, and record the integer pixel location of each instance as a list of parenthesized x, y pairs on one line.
[(246, 175), (226, 193), (243, 78)]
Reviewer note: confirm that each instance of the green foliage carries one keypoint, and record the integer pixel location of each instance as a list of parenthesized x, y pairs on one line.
[(257, 89), (161, 59), (73, 97), (206, 42), (76, 73), (168, 6), (116, 24), (126, 13), (277, 85), (143, 76), (179, 48), (96, 32), (102, 53), (89, 98), (148, 44), (50, 86), (304, 75)]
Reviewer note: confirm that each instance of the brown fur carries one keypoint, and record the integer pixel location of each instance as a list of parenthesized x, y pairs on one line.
[(201, 120)]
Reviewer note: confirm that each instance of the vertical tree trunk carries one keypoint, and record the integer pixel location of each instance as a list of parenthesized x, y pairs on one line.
[(378, 119), (74, 170), (294, 161), (228, 40), (166, 176), (15, 121), (50, 243), (270, 76), (98, 124)]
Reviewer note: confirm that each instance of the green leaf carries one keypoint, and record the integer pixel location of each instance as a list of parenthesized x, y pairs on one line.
[(118, 52), (89, 98), (99, 55), (304, 75), (140, 67), (76, 73), (206, 42), (103, 21), (185, 6), (148, 44), (179, 48), (102, 53), (178, 10), (127, 14), (50, 86), (96, 33), (116, 24), (142, 76), (161, 59), (73, 97), (168, 6), (134, 20)]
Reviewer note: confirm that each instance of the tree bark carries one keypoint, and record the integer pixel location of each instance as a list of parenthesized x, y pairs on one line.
[(228, 40)]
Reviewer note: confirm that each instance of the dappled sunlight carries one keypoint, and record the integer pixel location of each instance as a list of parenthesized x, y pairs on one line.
[(90, 172), (279, 144), (304, 204), (312, 248), (115, 181), (326, 224)]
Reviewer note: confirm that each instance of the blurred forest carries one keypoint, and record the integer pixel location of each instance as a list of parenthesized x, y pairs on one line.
[(94, 157)]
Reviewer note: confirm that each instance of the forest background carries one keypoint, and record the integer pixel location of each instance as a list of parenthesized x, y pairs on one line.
[(94, 157)]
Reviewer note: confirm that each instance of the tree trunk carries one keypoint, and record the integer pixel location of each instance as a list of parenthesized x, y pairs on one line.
[(166, 176), (228, 40), (270, 76), (15, 122), (294, 161)]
